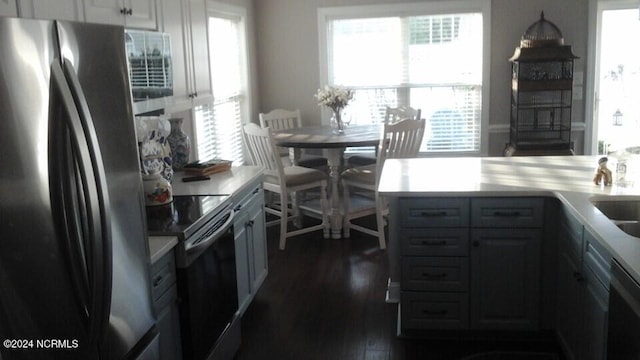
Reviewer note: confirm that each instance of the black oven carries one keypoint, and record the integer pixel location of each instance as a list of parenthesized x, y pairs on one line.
[(206, 276)]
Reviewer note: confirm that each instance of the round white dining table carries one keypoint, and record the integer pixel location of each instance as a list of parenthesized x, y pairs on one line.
[(333, 144)]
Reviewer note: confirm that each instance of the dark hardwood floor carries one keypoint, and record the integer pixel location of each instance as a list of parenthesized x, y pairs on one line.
[(324, 299)]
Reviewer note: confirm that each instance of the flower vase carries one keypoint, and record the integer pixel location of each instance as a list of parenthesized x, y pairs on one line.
[(179, 143), (337, 123)]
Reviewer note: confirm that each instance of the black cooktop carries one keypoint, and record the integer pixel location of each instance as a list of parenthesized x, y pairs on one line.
[(182, 214)]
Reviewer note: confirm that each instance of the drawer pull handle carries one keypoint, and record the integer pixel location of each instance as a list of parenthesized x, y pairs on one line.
[(434, 276), (157, 281), (506, 213), (434, 243), (434, 312), (433, 213)]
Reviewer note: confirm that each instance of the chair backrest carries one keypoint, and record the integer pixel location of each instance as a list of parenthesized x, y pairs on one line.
[(262, 150), (281, 119), (400, 140), (393, 115)]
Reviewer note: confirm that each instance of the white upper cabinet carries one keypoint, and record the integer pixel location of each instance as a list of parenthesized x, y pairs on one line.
[(8, 8), (186, 21), (137, 14), (47, 9), (201, 82)]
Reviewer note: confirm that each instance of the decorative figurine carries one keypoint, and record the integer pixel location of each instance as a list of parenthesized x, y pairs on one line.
[(603, 174)]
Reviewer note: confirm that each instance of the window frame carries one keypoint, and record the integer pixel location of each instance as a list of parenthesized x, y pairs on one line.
[(327, 14), (239, 14), (596, 7)]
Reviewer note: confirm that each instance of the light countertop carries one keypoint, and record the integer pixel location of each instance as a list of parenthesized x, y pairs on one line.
[(568, 178), (228, 182), (223, 183), (160, 245)]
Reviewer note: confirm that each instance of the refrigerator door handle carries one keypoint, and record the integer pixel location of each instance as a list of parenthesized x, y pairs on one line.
[(91, 168)]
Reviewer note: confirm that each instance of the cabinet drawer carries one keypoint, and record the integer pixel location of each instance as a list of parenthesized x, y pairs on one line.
[(507, 212), (434, 212), (163, 275), (435, 242), (165, 299), (435, 274), (597, 258), (245, 197), (424, 310)]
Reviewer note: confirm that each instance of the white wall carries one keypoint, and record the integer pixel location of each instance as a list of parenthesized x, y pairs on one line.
[(288, 64)]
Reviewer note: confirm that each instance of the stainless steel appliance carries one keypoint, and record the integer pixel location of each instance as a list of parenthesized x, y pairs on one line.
[(206, 270), (623, 338), (74, 260)]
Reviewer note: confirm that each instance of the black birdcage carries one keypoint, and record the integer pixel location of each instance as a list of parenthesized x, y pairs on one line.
[(541, 91)]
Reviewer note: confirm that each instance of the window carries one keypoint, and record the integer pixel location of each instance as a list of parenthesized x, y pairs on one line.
[(617, 87), (431, 56), (219, 125)]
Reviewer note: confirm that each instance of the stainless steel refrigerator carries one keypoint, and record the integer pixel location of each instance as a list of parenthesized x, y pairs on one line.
[(74, 265)]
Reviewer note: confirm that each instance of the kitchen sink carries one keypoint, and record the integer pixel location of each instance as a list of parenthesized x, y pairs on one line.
[(624, 213)]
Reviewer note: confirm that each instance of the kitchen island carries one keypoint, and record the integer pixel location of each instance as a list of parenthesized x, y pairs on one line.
[(567, 178), (509, 243)]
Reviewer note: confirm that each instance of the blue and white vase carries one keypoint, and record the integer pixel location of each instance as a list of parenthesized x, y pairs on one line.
[(179, 143)]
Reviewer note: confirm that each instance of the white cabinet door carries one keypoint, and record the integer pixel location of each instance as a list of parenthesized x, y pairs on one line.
[(186, 21), (138, 14), (8, 8), (258, 240), (250, 243), (172, 19), (242, 260), (201, 77), (570, 303), (595, 316), (47, 9), (505, 278), (141, 14), (105, 11)]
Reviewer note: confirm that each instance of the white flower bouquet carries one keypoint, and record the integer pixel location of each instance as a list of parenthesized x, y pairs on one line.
[(334, 97)]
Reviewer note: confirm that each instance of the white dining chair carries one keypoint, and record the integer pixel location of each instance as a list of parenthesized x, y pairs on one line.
[(282, 119), (286, 181), (401, 139), (391, 115)]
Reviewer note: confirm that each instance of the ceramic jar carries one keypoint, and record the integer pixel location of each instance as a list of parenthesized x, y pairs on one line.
[(157, 189), (179, 143)]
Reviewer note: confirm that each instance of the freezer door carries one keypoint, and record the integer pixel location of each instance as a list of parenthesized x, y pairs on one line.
[(39, 299), (97, 53)]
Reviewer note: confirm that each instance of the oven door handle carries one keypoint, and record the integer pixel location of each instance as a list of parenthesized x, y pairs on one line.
[(196, 249)]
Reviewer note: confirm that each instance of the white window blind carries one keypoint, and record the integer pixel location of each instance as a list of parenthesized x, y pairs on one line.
[(432, 62), (219, 125)]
